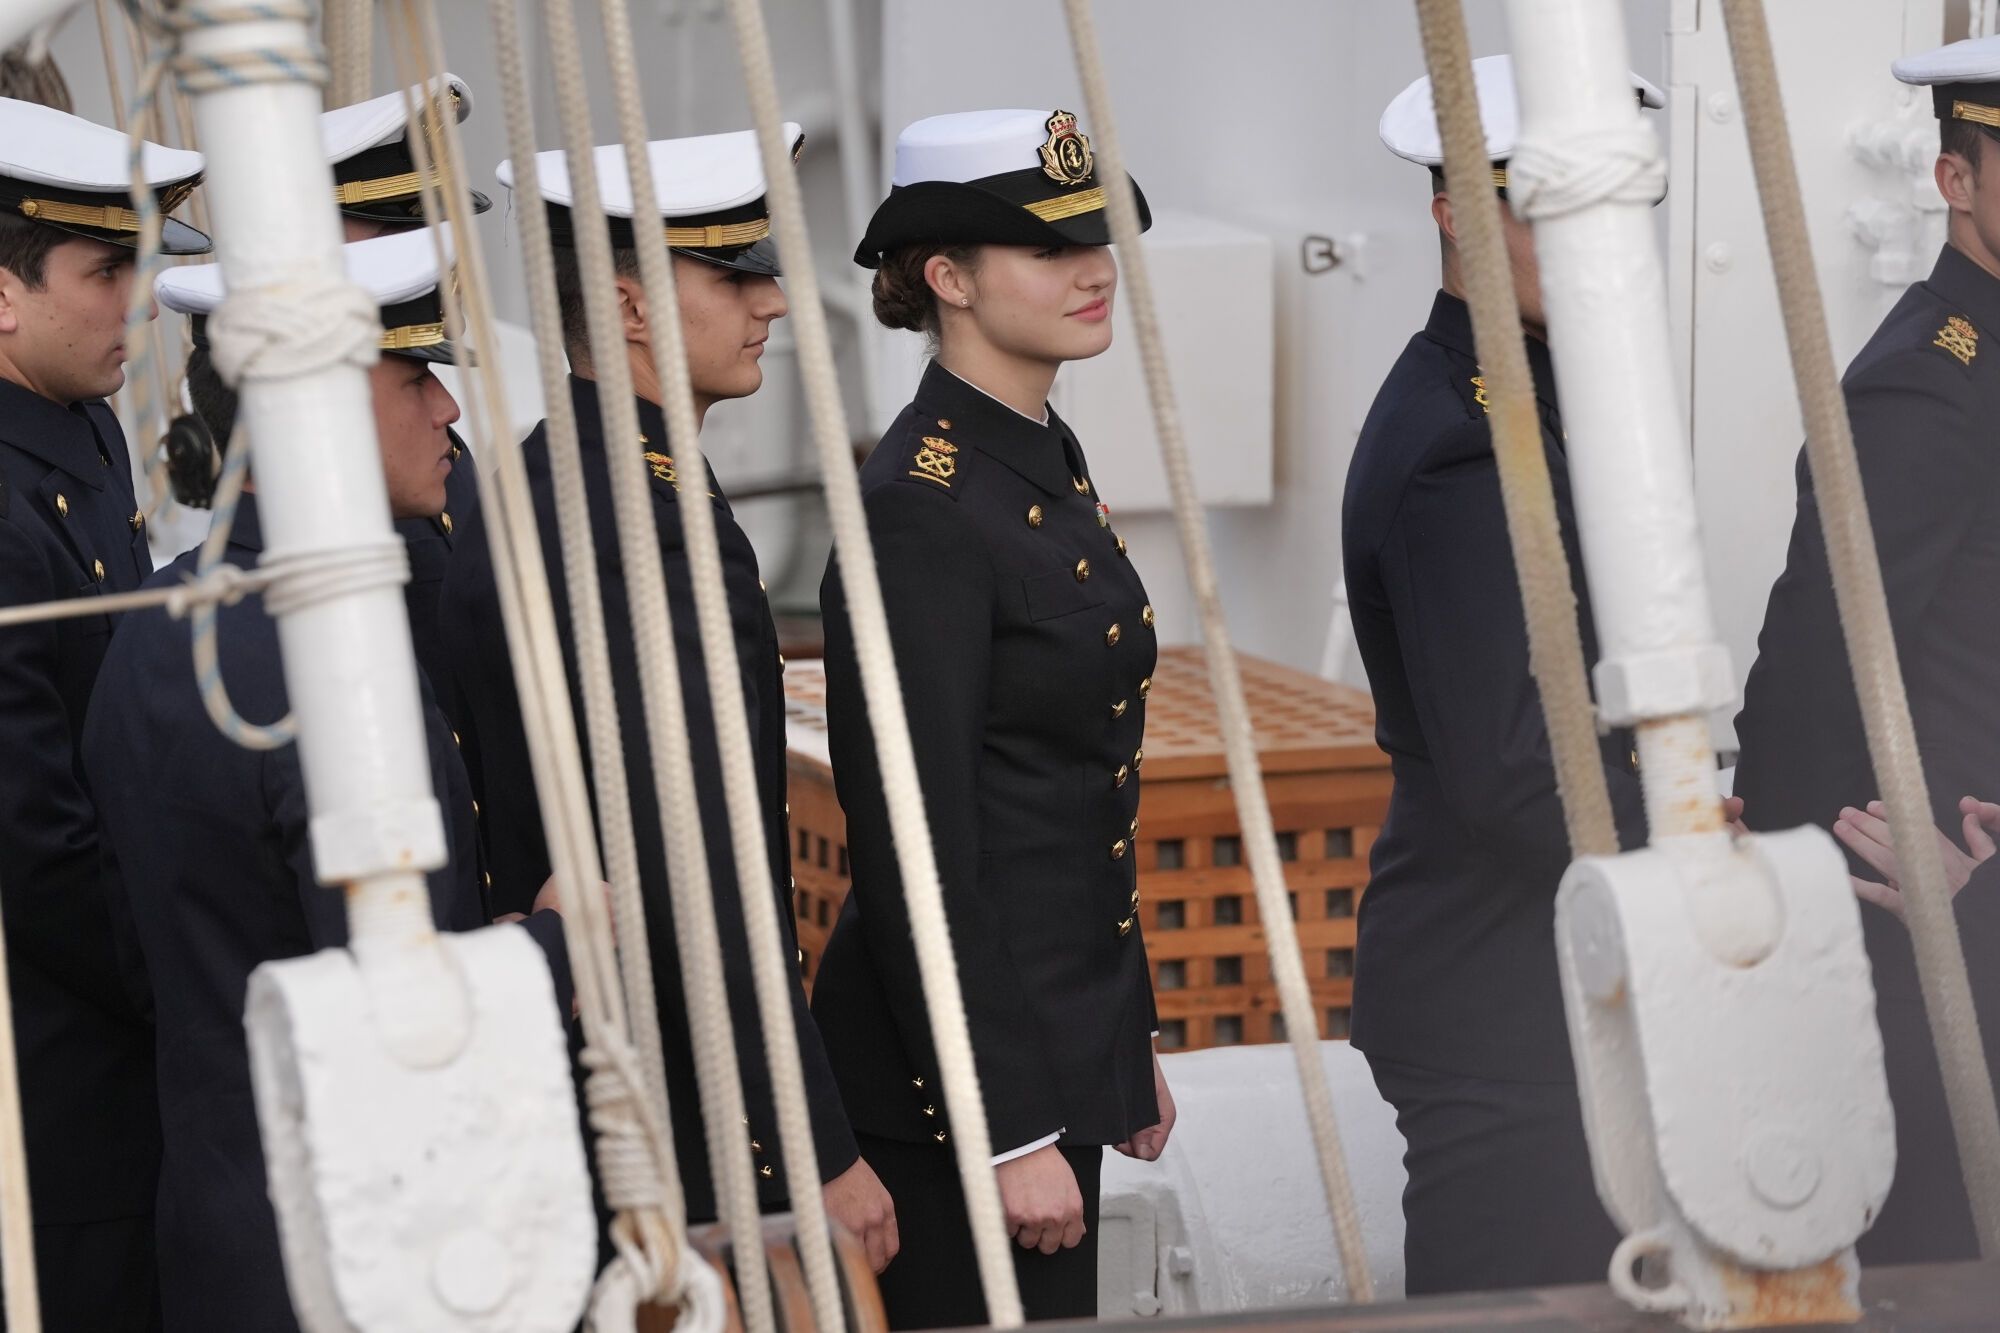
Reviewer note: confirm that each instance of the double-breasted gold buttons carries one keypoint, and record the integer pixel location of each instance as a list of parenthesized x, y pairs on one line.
[(138, 520), (1119, 848), (1118, 709), (1145, 687), (1138, 758), (1121, 546), (1034, 516), (1125, 926), (1112, 635), (765, 1171), (1124, 772), (97, 568), (1082, 485), (1146, 616), (444, 521), (930, 1111), (62, 504), (1082, 571)]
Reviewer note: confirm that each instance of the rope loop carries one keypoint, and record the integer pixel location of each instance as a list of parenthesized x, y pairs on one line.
[(295, 329), (1552, 178)]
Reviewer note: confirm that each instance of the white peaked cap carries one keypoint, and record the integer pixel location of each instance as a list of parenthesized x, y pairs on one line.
[(394, 268), (1409, 126), (1975, 60), (348, 130), (701, 174), (44, 146), (970, 145)]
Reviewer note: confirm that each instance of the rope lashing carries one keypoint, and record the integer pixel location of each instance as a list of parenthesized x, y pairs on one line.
[(1232, 712), (1548, 599), (1549, 179), (903, 795), (1865, 624)]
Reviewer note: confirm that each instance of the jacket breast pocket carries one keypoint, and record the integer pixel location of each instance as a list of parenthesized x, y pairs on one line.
[(1058, 593)]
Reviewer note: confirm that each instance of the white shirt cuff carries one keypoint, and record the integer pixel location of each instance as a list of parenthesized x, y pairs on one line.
[(1027, 1148)]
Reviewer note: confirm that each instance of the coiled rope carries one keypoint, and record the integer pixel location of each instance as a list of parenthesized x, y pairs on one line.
[(1246, 780), (972, 1141), (1865, 625)]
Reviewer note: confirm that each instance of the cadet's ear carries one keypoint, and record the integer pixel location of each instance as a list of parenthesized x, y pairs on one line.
[(1447, 221), (632, 308), (948, 281), (1956, 179), (11, 288)]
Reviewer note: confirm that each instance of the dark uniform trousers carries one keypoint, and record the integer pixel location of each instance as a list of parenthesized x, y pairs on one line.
[(1924, 397), (490, 723), (1026, 649), (70, 526), (1457, 1002), (209, 858)]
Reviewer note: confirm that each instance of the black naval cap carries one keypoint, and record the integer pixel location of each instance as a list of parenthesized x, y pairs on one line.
[(709, 195), (368, 145), (1006, 177), (65, 172), (399, 270)]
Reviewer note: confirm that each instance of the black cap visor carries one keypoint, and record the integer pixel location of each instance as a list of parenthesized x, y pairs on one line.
[(1018, 208), (76, 211)]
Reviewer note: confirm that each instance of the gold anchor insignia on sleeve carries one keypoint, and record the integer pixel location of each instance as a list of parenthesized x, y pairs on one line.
[(1959, 338), (935, 461), (1479, 394), (663, 468)]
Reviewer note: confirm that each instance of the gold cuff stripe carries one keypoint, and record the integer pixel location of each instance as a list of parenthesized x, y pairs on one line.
[(716, 237), (105, 217), (383, 187), (1500, 177), (1977, 113), (411, 336), (1068, 205)]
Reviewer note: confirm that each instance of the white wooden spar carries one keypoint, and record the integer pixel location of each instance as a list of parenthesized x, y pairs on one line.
[(1703, 965)]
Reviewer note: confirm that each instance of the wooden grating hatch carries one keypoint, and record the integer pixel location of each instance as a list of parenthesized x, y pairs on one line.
[(1329, 790)]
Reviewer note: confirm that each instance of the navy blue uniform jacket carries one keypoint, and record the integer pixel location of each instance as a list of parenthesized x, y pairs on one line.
[(1455, 967), (1025, 648), (69, 527), (1924, 398), (207, 850), (512, 823)]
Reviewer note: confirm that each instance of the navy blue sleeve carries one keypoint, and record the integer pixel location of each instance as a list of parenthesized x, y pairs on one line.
[(1448, 570)]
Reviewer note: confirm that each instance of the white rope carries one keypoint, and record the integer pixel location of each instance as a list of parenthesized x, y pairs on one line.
[(349, 27), (1553, 178), (771, 964), (1232, 714), (625, 1088), (936, 964), (710, 1024)]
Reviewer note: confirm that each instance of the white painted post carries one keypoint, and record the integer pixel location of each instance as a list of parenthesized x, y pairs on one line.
[(1685, 965), (413, 1091)]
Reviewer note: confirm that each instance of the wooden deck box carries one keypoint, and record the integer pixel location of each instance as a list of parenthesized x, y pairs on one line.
[(1328, 787)]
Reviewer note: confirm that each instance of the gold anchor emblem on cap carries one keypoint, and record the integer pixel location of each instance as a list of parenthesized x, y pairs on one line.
[(1066, 158)]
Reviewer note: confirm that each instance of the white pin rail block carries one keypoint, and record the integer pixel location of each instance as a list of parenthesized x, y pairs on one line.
[(1738, 1115), (413, 1199)]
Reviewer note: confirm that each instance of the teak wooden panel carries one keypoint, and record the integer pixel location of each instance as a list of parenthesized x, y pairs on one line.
[(1329, 789)]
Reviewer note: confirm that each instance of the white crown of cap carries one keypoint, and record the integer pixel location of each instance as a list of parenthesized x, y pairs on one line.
[(970, 145), (702, 174), (345, 131), (1409, 126), (1974, 60), (394, 268), (50, 147)]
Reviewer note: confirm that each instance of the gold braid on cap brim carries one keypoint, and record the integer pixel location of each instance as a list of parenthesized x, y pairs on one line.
[(1976, 112), (104, 217), (383, 187), (719, 237), (1068, 205), (411, 336)]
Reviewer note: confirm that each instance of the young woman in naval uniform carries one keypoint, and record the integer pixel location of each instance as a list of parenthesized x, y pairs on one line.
[(1025, 647)]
